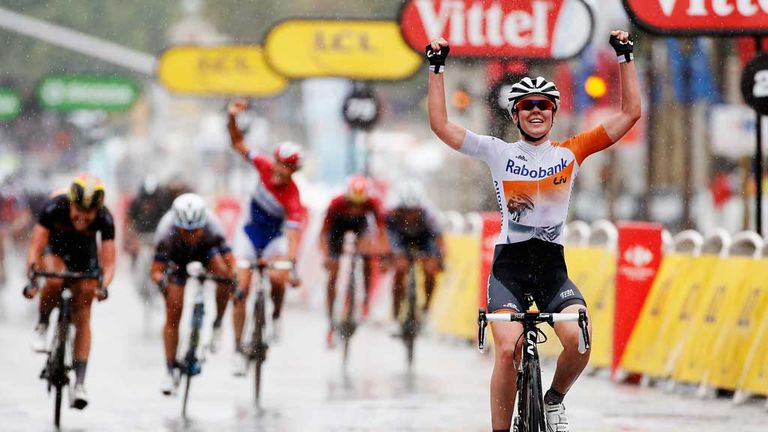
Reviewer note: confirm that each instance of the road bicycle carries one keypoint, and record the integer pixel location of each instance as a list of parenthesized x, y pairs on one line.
[(255, 349), (410, 324), (58, 363), (191, 364), (530, 416)]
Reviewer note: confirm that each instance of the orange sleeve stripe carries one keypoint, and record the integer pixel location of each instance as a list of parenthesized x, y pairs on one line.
[(586, 143)]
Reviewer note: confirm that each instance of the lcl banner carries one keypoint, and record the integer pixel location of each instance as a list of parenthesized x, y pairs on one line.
[(700, 17), (530, 29)]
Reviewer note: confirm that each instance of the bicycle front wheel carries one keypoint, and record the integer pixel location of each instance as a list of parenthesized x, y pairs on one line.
[(257, 341), (535, 402), (186, 395)]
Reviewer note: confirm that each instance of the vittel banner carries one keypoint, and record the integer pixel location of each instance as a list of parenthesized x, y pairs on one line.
[(700, 17), (531, 29)]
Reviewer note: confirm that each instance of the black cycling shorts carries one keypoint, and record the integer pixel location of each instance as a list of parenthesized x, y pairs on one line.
[(84, 261), (341, 226), (534, 267)]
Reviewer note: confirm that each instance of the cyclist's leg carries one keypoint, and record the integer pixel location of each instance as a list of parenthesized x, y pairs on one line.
[(83, 293), (222, 265), (335, 244), (402, 266), (507, 349), (244, 249), (174, 303), (51, 291), (570, 363), (277, 250), (430, 264)]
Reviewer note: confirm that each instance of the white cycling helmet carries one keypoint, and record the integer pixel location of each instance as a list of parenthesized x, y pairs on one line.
[(527, 87), (189, 211), (409, 194)]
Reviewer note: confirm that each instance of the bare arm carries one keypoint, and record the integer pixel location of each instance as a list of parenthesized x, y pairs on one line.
[(37, 242), (108, 261), (293, 243), (450, 133), (618, 124), (238, 141)]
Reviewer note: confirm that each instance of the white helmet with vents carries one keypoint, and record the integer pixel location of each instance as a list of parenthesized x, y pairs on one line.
[(189, 211), (536, 86)]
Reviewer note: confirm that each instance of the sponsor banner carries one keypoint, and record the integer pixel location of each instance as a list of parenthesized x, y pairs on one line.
[(87, 92), (537, 29), (700, 17), (488, 234), (639, 257), (355, 49), (228, 209), (10, 104), (229, 70)]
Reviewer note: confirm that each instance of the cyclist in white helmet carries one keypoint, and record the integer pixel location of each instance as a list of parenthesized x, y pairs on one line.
[(188, 232), (533, 179), (414, 235)]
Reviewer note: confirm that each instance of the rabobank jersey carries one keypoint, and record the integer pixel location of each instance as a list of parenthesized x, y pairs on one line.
[(534, 182), (271, 207)]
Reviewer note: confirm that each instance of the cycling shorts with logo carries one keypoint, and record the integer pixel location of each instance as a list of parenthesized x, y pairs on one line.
[(533, 266)]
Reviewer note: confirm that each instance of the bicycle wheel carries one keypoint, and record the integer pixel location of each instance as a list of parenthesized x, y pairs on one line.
[(57, 369), (410, 325), (259, 348), (535, 402), (186, 395)]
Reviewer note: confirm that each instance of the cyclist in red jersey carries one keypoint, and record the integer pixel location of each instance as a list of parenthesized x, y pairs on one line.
[(533, 178), (350, 212)]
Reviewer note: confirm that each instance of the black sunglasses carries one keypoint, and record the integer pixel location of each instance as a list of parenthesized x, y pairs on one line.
[(529, 104)]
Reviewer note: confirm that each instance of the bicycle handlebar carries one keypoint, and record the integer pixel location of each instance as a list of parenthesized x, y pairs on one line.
[(535, 318), (276, 265)]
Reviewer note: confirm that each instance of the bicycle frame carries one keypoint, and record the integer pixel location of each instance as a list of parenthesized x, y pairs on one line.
[(57, 364), (530, 401)]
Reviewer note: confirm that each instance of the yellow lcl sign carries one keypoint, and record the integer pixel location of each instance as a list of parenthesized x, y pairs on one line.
[(357, 49), (218, 71)]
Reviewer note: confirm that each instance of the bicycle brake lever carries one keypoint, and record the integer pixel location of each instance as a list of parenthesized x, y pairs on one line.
[(482, 322), (584, 344)]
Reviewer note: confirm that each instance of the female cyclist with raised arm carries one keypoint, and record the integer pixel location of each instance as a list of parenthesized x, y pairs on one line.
[(533, 179)]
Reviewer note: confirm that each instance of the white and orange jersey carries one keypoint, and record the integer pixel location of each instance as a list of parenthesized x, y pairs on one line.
[(534, 182)]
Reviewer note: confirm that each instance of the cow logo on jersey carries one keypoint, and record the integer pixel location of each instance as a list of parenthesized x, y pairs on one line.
[(518, 205)]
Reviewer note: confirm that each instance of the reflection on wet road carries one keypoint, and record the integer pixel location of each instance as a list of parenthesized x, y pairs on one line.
[(304, 386)]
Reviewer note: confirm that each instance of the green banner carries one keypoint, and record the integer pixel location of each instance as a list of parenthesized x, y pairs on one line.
[(10, 104), (87, 92)]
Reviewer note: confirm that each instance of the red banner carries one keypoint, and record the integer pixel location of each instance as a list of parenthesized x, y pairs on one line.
[(540, 29), (639, 256), (227, 208), (700, 17), (489, 234)]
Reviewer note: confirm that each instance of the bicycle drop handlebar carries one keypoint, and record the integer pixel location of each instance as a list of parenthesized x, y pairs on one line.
[(535, 318), (67, 275)]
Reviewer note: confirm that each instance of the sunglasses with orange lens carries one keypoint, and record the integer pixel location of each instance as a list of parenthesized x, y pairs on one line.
[(529, 104)]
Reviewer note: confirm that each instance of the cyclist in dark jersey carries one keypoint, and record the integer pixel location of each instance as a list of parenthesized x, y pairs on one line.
[(144, 213), (65, 239), (350, 212), (191, 237), (412, 227)]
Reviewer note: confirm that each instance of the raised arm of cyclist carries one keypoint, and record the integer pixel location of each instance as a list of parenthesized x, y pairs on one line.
[(238, 141), (450, 133), (622, 121)]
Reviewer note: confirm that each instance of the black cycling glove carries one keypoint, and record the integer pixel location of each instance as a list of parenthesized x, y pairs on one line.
[(437, 58), (623, 49)]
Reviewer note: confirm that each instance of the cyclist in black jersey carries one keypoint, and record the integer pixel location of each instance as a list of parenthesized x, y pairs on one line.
[(144, 213), (190, 237), (412, 228), (65, 239)]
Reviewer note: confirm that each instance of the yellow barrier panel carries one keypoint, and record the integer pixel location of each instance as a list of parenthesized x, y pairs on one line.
[(674, 269), (754, 378), (683, 298), (718, 303), (592, 269), (738, 335), (455, 305)]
